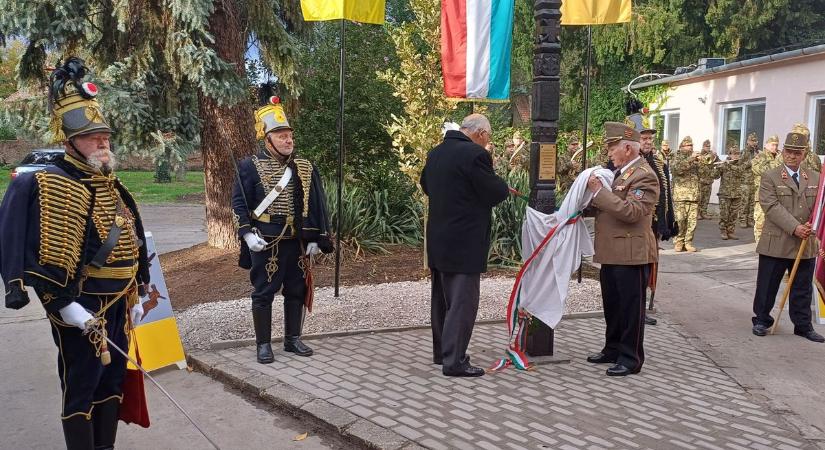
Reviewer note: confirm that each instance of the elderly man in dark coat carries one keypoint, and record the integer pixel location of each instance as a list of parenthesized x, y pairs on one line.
[(462, 188)]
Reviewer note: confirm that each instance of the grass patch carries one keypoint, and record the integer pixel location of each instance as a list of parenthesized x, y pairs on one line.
[(143, 187)]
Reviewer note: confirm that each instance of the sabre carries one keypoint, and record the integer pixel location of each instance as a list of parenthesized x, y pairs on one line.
[(167, 394)]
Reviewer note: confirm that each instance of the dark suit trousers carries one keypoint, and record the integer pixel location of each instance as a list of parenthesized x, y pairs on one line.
[(623, 299), (768, 278), (453, 309)]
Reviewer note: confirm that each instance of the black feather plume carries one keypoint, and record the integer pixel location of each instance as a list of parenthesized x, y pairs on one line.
[(265, 91), (72, 71)]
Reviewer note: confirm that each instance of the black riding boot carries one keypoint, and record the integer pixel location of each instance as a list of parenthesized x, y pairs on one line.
[(293, 323), (77, 430), (104, 419), (262, 318)]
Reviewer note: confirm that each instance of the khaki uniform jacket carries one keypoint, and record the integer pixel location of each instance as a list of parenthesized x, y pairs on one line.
[(686, 172), (786, 206), (624, 217)]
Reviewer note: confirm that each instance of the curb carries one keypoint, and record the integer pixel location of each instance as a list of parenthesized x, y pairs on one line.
[(298, 403), (233, 343)]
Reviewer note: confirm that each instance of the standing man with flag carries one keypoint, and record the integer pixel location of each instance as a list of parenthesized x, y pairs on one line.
[(787, 195), (625, 247)]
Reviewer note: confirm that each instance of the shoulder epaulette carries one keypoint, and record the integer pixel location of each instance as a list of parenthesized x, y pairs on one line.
[(305, 174)]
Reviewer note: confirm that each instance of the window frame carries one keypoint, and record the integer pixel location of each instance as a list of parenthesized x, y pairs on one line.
[(722, 128), (812, 122), (664, 115)]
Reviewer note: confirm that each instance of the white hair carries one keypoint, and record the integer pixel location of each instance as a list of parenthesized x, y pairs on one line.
[(475, 123)]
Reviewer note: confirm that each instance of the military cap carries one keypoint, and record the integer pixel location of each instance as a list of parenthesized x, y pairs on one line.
[(574, 139), (72, 103), (733, 148), (772, 139), (617, 131), (687, 140), (753, 136), (637, 121), (796, 141), (270, 115), (706, 143), (801, 129)]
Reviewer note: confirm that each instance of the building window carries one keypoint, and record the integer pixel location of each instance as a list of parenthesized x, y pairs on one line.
[(818, 128), (670, 128), (738, 121)]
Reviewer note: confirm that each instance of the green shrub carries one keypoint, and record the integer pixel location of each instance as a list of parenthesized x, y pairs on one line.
[(508, 216)]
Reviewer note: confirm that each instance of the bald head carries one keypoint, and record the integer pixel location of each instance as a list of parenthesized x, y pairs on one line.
[(477, 128)]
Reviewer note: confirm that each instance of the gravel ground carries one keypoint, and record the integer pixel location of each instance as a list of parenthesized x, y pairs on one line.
[(359, 307)]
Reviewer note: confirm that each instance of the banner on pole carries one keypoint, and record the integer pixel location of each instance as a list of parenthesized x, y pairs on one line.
[(818, 224), (365, 11), (476, 43), (595, 12), (157, 332)]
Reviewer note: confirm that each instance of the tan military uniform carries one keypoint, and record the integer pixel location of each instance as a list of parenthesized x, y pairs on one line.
[(763, 162), (786, 206), (685, 170), (566, 171), (748, 189), (623, 219)]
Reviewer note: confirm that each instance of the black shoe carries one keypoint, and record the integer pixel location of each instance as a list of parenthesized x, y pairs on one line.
[(77, 430), (760, 330), (265, 355), (619, 371), (650, 320), (293, 344), (600, 358), (470, 371), (810, 335), (104, 423)]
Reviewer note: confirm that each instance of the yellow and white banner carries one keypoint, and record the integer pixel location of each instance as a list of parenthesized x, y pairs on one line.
[(595, 12), (157, 332)]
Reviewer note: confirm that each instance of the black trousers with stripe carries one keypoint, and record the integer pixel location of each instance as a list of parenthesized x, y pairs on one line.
[(623, 299)]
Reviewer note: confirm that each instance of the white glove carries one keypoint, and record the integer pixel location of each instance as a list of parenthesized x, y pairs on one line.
[(254, 242), (312, 249), (137, 313), (75, 315)]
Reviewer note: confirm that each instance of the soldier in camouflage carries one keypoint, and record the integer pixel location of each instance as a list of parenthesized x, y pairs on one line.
[(764, 161), (706, 178), (748, 188), (568, 165), (686, 169), (730, 191)]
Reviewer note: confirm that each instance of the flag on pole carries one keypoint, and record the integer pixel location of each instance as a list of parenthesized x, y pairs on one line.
[(476, 41), (365, 11), (818, 224), (594, 12)]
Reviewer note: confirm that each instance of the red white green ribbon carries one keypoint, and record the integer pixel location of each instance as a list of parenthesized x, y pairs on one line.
[(517, 319)]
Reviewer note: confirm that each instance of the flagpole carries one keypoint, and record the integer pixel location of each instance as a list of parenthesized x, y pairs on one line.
[(340, 163), (586, 111)]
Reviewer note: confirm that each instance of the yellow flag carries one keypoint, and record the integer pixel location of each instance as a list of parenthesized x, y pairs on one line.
[(366, 11), (594, 12)]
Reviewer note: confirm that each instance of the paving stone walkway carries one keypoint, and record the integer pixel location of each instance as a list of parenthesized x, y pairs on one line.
[(681, 399)]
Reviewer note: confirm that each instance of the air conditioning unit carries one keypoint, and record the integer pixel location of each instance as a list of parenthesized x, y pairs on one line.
[(707, 63)]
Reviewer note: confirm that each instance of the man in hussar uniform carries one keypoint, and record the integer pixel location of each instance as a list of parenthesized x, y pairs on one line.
[(787, 194), (73, 233), (706, 178), (280, 211), (766, 159), (748, 188), (686, 171)]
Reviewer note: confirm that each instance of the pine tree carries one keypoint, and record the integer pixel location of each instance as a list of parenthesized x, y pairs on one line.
[(172, 74)]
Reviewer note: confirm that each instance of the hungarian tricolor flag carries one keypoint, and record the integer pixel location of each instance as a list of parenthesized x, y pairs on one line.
[(594, 12), (818, 224), (365, 11), (476, 41)]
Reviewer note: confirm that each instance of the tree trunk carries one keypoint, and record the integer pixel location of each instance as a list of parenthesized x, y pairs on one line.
[(228, 131)]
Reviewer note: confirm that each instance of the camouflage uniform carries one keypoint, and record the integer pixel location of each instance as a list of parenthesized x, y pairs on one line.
[(763, 162), (730, 193), (706, 178), (748, 187), (811, 161), (686, 170)]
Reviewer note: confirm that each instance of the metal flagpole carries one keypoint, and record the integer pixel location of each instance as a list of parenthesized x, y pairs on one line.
[(340, 163), (586, 109)]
